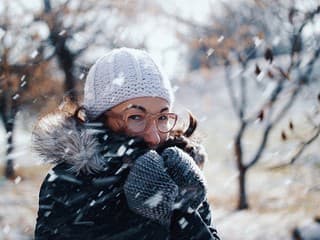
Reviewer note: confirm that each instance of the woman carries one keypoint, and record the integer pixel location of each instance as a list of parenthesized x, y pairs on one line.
[(121, 171)]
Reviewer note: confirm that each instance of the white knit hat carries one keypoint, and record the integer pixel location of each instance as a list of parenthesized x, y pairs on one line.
[(120, 75)]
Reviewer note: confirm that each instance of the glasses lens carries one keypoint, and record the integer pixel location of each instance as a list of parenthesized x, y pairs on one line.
[(136, 122), (166, 122)]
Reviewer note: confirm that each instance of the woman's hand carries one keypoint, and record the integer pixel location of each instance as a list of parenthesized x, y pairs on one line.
[(187, 175), (149, 189)]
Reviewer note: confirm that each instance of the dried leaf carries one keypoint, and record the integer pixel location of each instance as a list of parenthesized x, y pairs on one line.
[(270, 74), (268, 55), (257, 71), (261, 115), (283, 136), (291, 125)]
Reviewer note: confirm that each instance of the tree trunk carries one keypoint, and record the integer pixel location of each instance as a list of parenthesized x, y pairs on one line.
[(242, 201), (9, 170), (8, 112)]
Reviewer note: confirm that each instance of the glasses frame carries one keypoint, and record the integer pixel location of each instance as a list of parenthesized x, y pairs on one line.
[(149, 116)]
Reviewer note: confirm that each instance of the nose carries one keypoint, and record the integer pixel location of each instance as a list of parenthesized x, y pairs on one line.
[(151, 135)]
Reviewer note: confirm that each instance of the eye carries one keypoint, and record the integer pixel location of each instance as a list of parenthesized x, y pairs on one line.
[(163, 118), (135, 117)]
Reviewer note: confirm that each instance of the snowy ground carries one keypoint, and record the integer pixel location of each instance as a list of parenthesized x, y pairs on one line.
[(280, 199)]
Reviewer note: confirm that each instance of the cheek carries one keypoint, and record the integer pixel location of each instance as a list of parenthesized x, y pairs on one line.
[(164, 137), (114, 125)]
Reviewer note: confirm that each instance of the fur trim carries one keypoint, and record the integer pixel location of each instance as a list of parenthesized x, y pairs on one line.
[(57, 138)]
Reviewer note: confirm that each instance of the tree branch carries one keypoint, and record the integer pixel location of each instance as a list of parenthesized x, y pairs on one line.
[(230, 88)]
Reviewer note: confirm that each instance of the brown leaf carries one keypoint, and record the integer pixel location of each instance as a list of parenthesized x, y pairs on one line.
[(291, 125), (257, 71), (283, 136), (270, 74), (261, 115), (268, 55)]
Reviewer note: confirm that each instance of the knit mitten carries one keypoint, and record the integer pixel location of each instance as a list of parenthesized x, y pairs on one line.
[(149, 190), (187, 175)]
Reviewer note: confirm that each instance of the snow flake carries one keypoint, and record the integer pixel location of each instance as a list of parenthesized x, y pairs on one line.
[(16, 96), (137, 195), (47, 213), (23, 84), (220, 39), (177, 205), (100, 193), (154, 200), (210, 51), (123, 166), (129, 151), (17, 180), (81, 76), (122, 149), (93, 202), (183, 223), (63, 32), (131, 141), (34, 54), (52, 177), (119, 80)]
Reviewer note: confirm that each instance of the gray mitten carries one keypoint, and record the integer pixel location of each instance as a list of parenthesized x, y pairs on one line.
[(149, 189), (187, 175)]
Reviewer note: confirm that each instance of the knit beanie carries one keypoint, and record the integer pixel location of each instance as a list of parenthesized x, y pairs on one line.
[(121, 75)]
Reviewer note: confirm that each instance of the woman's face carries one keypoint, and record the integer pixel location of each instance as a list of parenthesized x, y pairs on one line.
[(145, 117)]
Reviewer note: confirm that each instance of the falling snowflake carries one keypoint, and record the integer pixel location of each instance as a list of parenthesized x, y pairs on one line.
[(183, 223), (220, 39), (119, 80), (52, 176), (17, 180), (23, 84), (82, 75), (154, 200), (63, 32), (34, 54), (122, 149), (210, 51), (16, 96), (93, 202)]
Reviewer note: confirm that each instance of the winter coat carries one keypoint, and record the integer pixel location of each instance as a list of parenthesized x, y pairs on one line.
[(82, 197)]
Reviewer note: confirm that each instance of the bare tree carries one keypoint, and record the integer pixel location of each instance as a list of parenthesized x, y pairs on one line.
[(19, 70), (31, 65), (233, 38)]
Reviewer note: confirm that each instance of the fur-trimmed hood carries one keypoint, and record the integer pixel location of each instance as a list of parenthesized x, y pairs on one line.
[(58, 138)]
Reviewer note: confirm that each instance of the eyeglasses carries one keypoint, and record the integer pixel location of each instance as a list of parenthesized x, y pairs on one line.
[(138, 122)]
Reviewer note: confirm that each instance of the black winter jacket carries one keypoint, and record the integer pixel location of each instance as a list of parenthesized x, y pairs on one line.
[(82, 197)]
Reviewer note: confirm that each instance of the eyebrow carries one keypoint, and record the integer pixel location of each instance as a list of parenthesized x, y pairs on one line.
[(143, 109)]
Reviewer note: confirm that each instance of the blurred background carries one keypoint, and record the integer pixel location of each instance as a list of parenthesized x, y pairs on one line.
[(249, 70)]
